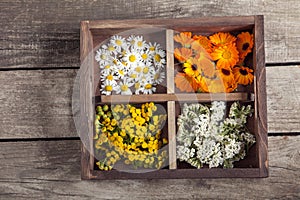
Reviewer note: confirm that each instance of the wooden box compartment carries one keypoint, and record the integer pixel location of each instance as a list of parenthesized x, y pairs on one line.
[(95, 32)]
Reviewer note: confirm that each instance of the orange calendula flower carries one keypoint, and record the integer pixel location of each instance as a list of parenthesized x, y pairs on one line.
[(182, 54), (222, 38), (185, 83), (204, 42), (228, 79), (243, 75), (227, 56), (226, 75), (244, 44), (192, 67), (204, 60), (184, 38)]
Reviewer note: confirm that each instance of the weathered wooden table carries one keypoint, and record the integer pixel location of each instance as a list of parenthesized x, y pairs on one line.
[(39, 146)]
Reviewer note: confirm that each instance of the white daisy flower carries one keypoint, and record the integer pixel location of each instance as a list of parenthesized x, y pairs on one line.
[(148, 70), (102, 57), (110, 48), (152, 48), (158, 76), (138, 87), (118, 42), (108, 87), (110, 77), (124, 87), (145, 57), (121, 73), (130, 64), (132, 40), (149, 88), (159, 57), (132, 58)]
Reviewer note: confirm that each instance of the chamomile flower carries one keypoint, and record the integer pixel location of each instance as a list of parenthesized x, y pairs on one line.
[(145, 56), (124, 87), (121, 73), (118, 42), (130, 65), (110, 48), (108, 87), (152, 48), (159, 57), (148, 70), (110, 77), (158, 76), (137, 42), (132, 58), (102, 57), (148, 88)]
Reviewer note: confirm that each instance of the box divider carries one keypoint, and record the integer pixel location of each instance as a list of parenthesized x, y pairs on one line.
[(171, 104)]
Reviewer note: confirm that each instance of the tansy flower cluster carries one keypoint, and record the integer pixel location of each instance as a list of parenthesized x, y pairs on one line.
[(131, 135), (206, 137), (130, 65), (213, 64)]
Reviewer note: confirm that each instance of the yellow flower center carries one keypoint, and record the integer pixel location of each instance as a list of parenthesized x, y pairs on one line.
[(108, 88), (144, 56), (107, 66), (152, 48), (157, 58), (156, 76), (103, 56), (110, 77), (121, 72), (124, 88), (138, 69), (119, 42), (226, 55), (148, 86), (133, 76), (111, 48), (140, 43), (137, 85), (132, 58), (115, 61), (146, 70)]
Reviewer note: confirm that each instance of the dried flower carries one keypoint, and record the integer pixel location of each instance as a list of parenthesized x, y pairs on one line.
[(206, 137)]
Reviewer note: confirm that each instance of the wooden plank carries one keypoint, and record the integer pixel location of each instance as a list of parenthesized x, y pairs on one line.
[(182, 97), (283, 98), (170, 61), (172, 134), (51, 169), (38, 34), (260, 116), (37, 104)]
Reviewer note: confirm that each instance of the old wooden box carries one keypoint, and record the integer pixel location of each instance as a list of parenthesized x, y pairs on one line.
[(94, 32)]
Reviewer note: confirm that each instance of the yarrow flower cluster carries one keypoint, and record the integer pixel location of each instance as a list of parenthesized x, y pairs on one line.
[(205, 136), (213, 64), (130, 135), (130, 65)]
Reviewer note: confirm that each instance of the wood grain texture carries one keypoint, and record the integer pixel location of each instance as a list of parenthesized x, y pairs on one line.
[(38, 34), (52, 170), (283, 98), (37, 103)]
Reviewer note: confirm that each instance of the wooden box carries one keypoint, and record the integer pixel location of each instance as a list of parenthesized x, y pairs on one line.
[(94, 32)]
